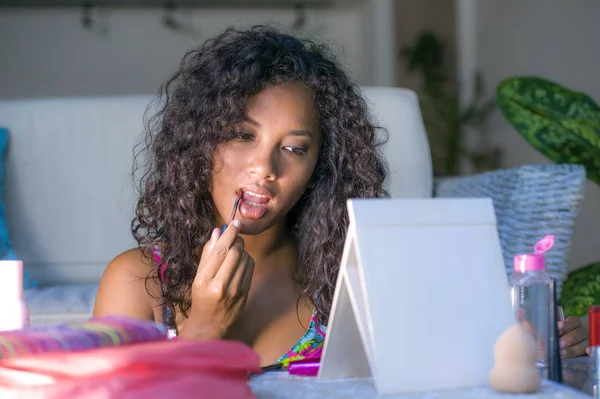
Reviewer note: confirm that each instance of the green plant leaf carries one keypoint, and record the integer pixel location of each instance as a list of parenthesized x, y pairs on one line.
[(580, 290), (562, 124)]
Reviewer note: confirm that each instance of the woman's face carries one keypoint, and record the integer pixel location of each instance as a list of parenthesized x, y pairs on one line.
[(271, 157)]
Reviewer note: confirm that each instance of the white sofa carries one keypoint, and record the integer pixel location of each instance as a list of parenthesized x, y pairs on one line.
[(69, 195)]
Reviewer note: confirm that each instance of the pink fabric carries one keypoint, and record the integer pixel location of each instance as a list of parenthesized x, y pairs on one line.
[(162, 369), (157, 258)]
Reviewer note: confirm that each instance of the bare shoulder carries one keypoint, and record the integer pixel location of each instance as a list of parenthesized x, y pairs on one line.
[(128, 287)]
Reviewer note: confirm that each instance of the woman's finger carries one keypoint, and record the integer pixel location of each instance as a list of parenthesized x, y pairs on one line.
[(574, 351), (575, 377), (208, 247), (210, 244), (228, 268), (219, 251), (573, 337), (576, 365), (235, 284), (569, 324)]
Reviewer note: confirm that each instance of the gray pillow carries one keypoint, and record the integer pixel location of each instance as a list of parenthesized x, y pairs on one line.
[(530, 202)]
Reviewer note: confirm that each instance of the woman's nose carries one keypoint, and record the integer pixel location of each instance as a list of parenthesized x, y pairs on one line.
[(263, 164)]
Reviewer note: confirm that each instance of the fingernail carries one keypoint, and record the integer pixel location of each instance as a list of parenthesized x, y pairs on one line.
[(563, 353), (563, 344), (560, 325), (236, 223)]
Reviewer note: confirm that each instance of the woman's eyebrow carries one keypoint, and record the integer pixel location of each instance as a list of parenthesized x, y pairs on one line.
[(302, 132), (295, 132), (252, 121)]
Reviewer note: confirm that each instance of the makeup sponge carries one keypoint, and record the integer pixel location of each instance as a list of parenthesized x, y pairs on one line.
[(515, 368)]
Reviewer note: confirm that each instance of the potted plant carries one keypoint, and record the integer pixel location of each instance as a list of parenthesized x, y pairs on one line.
[(564, 125)]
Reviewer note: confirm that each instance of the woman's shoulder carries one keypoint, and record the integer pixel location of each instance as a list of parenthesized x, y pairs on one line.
[(129, 286), (135, 263)]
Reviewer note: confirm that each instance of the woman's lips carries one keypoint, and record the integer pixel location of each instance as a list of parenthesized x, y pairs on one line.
[(250, 196), (254, 202), (253, 210)]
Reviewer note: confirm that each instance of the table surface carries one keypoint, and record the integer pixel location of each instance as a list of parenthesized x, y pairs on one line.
[(576, 375)]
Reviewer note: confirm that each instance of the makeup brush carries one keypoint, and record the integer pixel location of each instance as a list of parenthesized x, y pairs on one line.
[(236, 203)]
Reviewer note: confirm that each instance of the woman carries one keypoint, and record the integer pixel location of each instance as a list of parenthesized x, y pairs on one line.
[(264, 114), (275, 117)]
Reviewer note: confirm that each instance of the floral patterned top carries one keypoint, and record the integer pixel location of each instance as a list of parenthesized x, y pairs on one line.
[(309, 346)]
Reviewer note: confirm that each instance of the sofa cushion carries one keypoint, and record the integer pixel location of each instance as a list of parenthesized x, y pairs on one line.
[(60, 304), (530, 202), (406, 150)]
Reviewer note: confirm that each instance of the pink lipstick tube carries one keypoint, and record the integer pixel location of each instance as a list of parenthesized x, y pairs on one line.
[(309, 368), (594, 339)]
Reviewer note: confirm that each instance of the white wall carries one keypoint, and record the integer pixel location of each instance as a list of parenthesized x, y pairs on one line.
[(555, 39), (49, 53)]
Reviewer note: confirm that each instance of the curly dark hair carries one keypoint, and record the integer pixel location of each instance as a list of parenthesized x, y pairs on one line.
[(200, 104)]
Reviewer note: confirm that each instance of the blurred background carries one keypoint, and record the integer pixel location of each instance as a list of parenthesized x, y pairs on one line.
[(453, 53)]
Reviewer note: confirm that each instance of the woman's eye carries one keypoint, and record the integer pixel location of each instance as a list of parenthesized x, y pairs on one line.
[(243, 136), (295, 150)]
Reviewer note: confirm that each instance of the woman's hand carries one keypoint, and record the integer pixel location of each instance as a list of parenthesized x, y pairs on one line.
[(573, 337), (576, 373), (221, 285)]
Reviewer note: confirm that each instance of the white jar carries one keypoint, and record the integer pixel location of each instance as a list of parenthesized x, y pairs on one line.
[(14, 312)]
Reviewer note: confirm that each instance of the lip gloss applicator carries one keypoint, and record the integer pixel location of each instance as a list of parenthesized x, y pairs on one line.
[(236, 203)]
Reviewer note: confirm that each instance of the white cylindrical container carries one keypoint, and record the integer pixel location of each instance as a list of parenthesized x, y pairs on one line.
[(14, 312)]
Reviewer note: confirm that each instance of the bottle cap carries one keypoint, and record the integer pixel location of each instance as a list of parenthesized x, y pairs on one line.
[(594, 325), (11, 280), (533, 262), (528, 263)]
